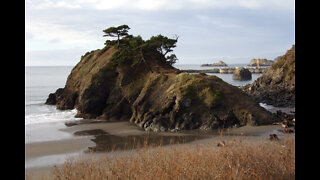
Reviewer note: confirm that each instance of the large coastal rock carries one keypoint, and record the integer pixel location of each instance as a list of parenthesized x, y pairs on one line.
[(241, 74), (154, 95), (277, 85)]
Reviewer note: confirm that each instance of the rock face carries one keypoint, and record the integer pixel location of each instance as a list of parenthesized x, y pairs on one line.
[(241, 74), (154, 95), (277, 85), (220, 63), (262, 62)]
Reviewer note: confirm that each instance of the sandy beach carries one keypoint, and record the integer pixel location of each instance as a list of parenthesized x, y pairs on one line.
[(103, 137)]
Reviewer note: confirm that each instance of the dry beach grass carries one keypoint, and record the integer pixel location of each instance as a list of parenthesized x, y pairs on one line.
[(240, 158)]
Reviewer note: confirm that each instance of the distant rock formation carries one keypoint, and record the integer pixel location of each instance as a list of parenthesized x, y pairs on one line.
[(262, 62), (277, 85), (220, 63), (241, 74)]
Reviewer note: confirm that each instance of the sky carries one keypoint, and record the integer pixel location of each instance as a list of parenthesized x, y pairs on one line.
[(59, 32)]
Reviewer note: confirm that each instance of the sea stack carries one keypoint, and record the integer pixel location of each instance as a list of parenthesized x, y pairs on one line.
[(241, 74), (146, 90), (260, 62)]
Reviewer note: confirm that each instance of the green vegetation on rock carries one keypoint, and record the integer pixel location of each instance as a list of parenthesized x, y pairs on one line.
[(131, 48), (120, 31)]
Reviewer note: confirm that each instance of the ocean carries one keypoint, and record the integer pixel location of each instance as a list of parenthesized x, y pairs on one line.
[(41, 81), (41, 120), (226, 77)]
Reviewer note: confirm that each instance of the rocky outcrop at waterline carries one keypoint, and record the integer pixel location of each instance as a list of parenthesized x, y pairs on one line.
[(277, 85), (241, 74), (153, 95)]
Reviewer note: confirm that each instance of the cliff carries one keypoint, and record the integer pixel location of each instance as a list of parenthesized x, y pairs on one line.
[(149, 92), (277, 85)]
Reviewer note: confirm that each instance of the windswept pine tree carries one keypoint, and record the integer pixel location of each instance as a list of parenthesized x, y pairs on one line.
[(132, 47), (120, 31)]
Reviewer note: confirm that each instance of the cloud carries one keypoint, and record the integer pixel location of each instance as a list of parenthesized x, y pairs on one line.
[(57, 33), (54, 57), (245, 4), (207, 28), (45, 4), (160, 5)]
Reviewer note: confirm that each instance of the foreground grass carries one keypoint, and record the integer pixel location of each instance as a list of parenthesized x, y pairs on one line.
[(240, 158)]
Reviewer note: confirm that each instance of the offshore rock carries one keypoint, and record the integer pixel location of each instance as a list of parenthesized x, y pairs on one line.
[(262, 62), (241, 74), (220, 63)]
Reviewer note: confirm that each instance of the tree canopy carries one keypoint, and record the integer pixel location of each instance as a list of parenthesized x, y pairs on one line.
[(163, 44), (131, 47), (120, 31)]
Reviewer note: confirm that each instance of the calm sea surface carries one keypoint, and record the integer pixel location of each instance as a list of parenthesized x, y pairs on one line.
[(40, 81), (226, 77)]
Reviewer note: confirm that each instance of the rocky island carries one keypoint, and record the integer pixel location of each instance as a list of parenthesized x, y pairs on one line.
[(261, 61), (220, 63), (132, 79)]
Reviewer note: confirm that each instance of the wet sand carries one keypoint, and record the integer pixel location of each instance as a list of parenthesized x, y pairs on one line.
[(38, 152), (39, 149), (106, 137)]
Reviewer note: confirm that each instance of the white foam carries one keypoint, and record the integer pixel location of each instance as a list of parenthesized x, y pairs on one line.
[(28, 103), (50, 115), (266, 106)]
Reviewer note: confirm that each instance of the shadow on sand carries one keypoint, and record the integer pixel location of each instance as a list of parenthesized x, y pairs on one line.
[(106, 142)]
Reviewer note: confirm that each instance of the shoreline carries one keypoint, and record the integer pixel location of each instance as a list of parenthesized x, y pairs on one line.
[(46, 154), (121, 137)]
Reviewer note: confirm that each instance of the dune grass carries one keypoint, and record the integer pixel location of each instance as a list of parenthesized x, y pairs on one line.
[(240, 158)]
